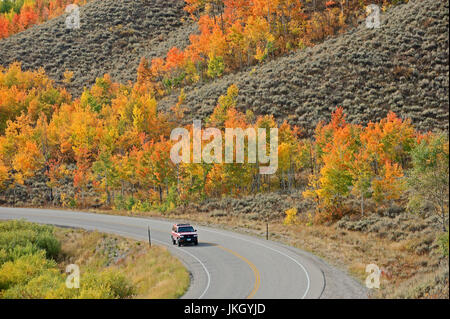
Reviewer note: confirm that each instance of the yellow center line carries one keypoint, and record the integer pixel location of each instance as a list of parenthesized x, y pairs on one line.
[(252, 266)]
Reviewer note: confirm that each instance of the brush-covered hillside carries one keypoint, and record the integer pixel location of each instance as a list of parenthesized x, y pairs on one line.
[(402, 66), (113, 36)]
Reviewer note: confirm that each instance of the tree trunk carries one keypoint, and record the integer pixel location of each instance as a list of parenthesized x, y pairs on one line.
[(82, 198), (108, 196), (362, 204)]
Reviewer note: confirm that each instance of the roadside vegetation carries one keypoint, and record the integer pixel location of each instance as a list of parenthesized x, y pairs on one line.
[(33, 259)]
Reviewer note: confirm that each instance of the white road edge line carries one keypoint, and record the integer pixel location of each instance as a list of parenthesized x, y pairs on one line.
[(125, 233), (201, 263), (308, 280), (195, 257), (257, 243)]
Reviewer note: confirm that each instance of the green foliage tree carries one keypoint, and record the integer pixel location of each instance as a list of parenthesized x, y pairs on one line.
[(429, 177), (216, 67)]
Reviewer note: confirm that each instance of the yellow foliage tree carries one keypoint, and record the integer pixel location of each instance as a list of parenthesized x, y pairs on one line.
[(291, 216)]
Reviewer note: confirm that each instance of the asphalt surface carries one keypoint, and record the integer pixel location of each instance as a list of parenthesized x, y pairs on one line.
[(224, 264)]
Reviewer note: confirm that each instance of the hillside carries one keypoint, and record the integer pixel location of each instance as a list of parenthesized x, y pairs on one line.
[(403, 66), (114, 35)]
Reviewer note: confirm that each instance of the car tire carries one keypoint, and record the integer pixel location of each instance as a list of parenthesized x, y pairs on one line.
[(179, 243), (196, 243)]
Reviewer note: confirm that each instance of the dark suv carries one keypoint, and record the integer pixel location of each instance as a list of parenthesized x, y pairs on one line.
[(183, 234)]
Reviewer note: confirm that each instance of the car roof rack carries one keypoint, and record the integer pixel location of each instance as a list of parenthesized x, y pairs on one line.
[(183, 224)]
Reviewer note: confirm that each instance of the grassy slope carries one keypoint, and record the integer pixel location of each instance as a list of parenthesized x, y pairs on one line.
[(110, 266), (152, 271)]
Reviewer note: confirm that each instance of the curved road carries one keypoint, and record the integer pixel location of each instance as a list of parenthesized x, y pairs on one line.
[(224, 264)]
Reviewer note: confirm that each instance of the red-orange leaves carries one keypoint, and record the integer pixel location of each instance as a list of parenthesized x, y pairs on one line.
[(175, 58)]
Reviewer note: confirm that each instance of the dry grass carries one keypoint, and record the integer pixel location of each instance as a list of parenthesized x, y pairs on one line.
[(153, 272), (157, 275)]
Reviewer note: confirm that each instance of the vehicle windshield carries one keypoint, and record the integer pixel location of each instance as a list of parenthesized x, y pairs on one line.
[(186, 229)]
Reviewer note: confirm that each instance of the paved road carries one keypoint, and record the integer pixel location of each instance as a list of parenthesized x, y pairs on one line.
[(224, 264)]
